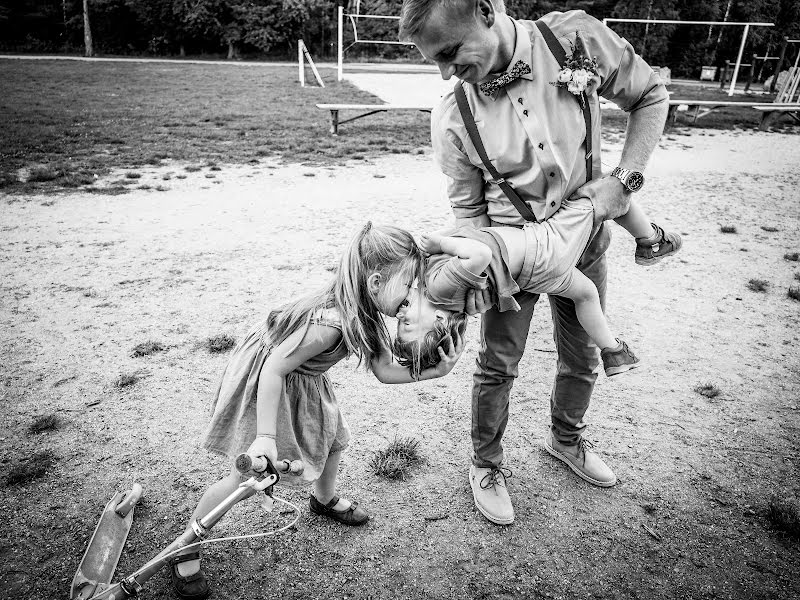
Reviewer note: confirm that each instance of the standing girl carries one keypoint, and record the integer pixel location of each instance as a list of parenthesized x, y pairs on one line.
[(275, 398)]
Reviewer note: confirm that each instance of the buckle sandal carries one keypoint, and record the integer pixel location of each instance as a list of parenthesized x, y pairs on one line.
[(191, 587), (662, 243), (352, 516)]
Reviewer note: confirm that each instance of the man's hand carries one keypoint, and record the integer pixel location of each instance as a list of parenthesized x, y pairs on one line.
[(478, 301), (431, 243), (449, 358), (608, 195)]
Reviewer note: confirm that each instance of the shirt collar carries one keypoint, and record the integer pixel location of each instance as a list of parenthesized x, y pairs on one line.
[(522, 51)]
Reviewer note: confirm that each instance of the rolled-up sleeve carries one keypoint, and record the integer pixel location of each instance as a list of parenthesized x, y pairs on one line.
[(625, 78), (464, 180)]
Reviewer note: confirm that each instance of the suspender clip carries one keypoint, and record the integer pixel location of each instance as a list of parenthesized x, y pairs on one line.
[(499, 181)]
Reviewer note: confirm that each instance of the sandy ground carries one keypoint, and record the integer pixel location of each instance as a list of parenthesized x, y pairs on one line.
[(87, 277)]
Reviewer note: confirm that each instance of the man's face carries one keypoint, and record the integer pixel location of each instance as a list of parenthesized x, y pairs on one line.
[(460, 41)]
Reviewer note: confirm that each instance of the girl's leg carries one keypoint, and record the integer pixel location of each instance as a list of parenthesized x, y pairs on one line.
[(636, 222), (589, 312), (325, 486), (213, 496)]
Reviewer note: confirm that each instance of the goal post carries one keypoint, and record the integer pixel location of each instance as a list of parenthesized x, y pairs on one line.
[(721, 23)]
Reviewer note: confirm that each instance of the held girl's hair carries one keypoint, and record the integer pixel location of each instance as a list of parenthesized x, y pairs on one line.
[(422, 354), (383, 249)]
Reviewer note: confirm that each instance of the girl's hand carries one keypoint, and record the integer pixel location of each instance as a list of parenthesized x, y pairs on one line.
[(431, 243), (449, 358), (264, 446)]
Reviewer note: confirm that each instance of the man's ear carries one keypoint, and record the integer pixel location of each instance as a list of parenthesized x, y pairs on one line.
[(440, 316), (485, 10), (374, 283)]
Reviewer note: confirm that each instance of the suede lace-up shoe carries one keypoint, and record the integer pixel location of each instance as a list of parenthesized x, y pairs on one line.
[(586, 464), (490, 493), (618, 360)]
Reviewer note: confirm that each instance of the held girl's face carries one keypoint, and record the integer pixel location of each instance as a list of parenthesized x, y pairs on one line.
[(388, 293), (417, 316)]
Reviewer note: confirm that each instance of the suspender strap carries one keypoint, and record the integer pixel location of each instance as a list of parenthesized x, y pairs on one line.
[(472, 130), (560, 55)]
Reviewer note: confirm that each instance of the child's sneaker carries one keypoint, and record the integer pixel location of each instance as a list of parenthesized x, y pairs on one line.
[(651, 250), (618, 360)]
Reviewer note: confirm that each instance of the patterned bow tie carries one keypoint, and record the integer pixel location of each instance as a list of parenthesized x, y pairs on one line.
[(520, 68)]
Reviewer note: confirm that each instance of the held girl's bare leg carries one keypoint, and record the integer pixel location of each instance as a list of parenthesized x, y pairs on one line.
[(325, 486), (589, 312), (636, 222), (213, 496)]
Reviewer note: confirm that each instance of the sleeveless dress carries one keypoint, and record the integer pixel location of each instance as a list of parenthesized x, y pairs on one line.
[(310, 425)]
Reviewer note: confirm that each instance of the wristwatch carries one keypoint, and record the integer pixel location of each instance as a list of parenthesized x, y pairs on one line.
[(632, 180)]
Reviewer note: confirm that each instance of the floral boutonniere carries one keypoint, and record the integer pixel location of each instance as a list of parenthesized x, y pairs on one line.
[(577, 71)]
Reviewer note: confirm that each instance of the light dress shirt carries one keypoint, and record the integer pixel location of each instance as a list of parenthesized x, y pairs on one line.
[(533, 131)]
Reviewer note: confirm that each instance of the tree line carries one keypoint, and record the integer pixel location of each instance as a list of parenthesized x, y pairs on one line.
[(271, 28)]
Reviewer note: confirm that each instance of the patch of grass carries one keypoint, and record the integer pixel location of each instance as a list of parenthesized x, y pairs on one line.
[(397, 460), (192, 168), (161, 188), (128, 379), (147, 348), (757, 285), (29, 468), (728, 228), (218, 344), (708, 389), (144, 186), (45, 423), (797, 276), (132, 175), (793, 293), (784, 514), (769, 228), (792, 256), (45, 173)]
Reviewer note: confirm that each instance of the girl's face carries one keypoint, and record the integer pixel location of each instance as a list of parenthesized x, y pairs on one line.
[(389, 293), (417, 316)]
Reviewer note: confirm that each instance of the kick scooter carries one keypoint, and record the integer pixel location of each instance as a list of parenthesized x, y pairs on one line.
[(93, 579)]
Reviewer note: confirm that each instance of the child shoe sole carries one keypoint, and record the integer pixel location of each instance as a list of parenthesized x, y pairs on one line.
[(611, 371)]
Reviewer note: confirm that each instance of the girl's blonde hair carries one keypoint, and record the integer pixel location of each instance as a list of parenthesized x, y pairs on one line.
[(383, 249)]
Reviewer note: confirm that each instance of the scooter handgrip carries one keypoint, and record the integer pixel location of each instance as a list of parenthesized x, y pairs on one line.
[(258, 464)]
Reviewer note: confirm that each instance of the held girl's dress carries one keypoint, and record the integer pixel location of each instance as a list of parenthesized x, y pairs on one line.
[(310, 425)]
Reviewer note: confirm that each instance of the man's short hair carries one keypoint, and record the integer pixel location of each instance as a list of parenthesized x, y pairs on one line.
[(416, 12)]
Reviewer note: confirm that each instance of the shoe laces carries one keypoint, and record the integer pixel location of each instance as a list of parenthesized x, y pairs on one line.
[(496, 476)]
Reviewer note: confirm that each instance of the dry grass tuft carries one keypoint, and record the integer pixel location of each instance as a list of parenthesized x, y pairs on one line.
[(792, 256), (769, 228), (784, 514), (793, 293), (396, 461), (758, 285), (147, 348), (220, 343), (44, 423), (128, 379), (29, 468), (728, 229), (708, 389)]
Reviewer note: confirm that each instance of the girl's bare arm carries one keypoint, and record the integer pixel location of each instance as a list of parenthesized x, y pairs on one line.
[(386, 370), (475, 256)]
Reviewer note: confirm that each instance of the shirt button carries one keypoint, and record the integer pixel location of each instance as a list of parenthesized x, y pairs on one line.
[(541, 146), (525, 112), (519, 100), (552, 174), (552, 204)]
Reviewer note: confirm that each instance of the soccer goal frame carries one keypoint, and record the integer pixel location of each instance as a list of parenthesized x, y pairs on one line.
[(354, 17), (721, 23)]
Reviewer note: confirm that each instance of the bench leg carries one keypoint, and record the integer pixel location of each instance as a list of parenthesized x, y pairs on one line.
[(672, 114), (767, 119), (334, 122)]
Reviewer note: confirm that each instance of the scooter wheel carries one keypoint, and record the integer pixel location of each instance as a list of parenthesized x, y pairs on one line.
[(129, 500)]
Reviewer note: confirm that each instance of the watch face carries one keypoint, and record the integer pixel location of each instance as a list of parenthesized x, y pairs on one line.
[(635, 181)]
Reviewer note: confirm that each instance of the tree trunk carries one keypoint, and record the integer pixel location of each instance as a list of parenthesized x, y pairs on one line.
[(231, 51), (87, 30), (182, 50)]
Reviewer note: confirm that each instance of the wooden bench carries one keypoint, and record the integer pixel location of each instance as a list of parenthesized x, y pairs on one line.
[(372, 108), (770, 112), (702, 107)]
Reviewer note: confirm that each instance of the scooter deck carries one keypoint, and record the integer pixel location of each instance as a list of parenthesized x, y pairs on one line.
[(104, 549)]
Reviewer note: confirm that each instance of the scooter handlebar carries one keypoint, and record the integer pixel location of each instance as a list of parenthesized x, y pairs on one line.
[(246, 463)]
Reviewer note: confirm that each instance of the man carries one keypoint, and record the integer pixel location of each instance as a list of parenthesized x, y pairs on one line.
[(534, 134)]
